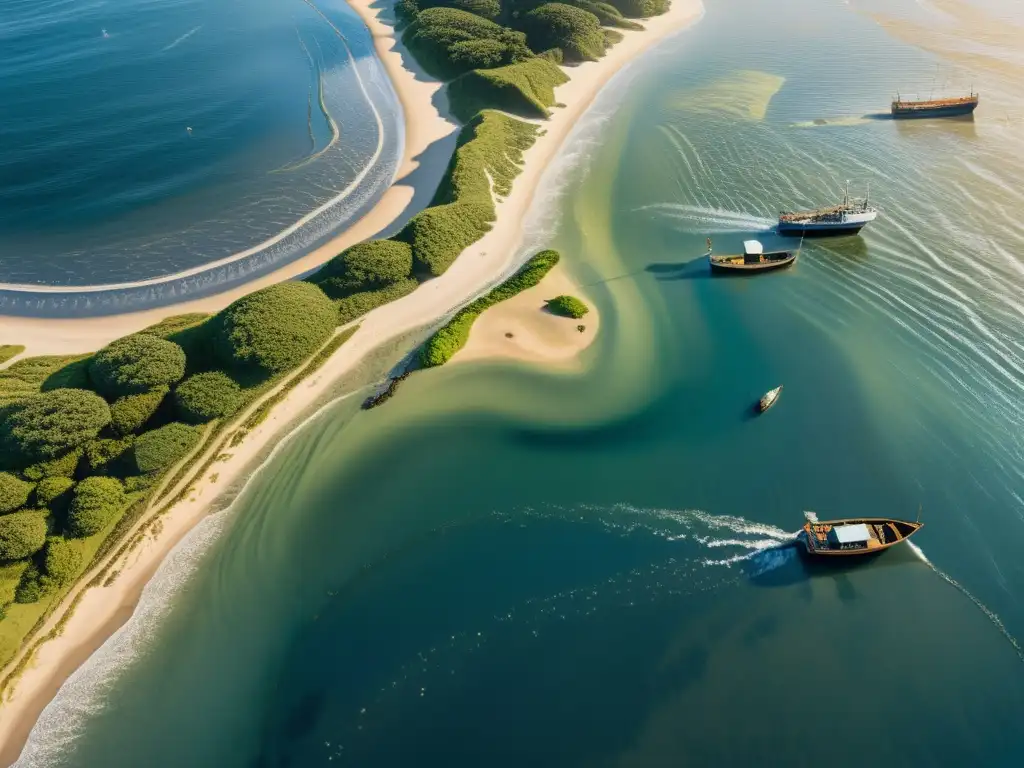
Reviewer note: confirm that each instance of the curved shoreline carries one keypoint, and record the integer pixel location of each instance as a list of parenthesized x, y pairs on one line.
[(102, 610)]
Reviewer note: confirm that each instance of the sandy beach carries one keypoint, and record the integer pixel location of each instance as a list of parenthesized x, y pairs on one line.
[(103, 609), (522, 328)]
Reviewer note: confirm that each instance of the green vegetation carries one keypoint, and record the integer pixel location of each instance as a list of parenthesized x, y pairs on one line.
[(207, 396), (448, 340), (136, 364), (641, 9), (96, 501), (491, 146), (46, 425), (526, 88), (22, 534), (367, 266), (62, 561), (130, 413), (575, 31), (103, 454), (274, 329), (7, 351), (567, 306), (53, 493), (65, 466), (33, 374), (448, 42), (162, 447), (14, 493), (358, 304)]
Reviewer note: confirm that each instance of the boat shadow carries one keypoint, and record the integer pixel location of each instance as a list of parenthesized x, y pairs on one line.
[(802, 568)]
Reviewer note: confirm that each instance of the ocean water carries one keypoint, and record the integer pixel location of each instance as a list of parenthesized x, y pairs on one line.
[(505, 566), (175, 148)]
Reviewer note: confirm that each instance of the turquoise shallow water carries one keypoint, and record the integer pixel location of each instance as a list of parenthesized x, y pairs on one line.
[(141, 139), (504, 566)]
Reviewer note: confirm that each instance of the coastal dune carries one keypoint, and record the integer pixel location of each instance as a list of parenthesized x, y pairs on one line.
[(490, 260)]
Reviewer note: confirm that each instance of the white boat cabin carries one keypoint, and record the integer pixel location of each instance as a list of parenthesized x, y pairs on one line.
[(855, 536), (752, 248)]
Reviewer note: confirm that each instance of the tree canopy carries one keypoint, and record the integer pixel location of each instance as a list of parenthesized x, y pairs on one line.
[(130, 413), (162, 447), (365, 267), (13, 492), (207, 396), (22, 534), (276, 328), (575, 31), (96, 501), (49, 424), (135, 364)]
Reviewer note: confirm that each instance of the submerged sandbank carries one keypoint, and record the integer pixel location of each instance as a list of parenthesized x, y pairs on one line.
[(103, 609)]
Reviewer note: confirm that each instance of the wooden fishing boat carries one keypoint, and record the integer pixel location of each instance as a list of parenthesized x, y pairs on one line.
[(955, 107), (753, 259), (769, 399), (855, 536)]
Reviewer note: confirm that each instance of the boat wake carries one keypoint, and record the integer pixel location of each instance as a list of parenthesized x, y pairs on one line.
[(989, 614), (697, 219)]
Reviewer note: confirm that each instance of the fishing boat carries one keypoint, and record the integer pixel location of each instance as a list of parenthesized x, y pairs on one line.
[(856, 536), (768, 399), (753, 259), (847, 218), (961, 105)]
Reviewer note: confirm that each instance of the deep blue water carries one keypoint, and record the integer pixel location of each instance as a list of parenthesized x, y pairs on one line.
[(139, 139)]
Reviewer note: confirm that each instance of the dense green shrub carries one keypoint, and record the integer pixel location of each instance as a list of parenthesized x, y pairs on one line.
[(276, 328), (54, 493), (405, 11), (526, 88), (452, 337), (489, 152), (641, 9), (135, 364), (191, 332), (62, 561), (365, 267), (96, 501), (14, 493), (437, 37), (47, 425), (163, 447), (606, 13), (488, 9), (103, 454), (130, 413), (567, 306), (62, 466), (27, 377), (207, 396), (30, 587), (358, 304), (22, 534), (557, 25), (440, 233)]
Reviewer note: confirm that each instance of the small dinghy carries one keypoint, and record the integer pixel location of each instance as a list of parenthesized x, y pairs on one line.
[(768, 399), (753, 259), (856, 536)]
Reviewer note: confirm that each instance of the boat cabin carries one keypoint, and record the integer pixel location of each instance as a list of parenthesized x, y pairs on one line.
[(753, 252), (853, 536)]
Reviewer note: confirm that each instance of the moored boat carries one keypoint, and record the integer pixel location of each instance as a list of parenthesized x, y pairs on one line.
[(846, 218), (855, 536), (769, 398), (961, 105), (753, 259)]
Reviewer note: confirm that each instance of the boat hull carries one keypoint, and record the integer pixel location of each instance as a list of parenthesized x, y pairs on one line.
[(950, 110), (819, 230), (726, 268), (894, 532)]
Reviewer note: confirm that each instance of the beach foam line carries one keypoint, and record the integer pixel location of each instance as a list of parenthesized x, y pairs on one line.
[(82, 694), (989, 614)]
